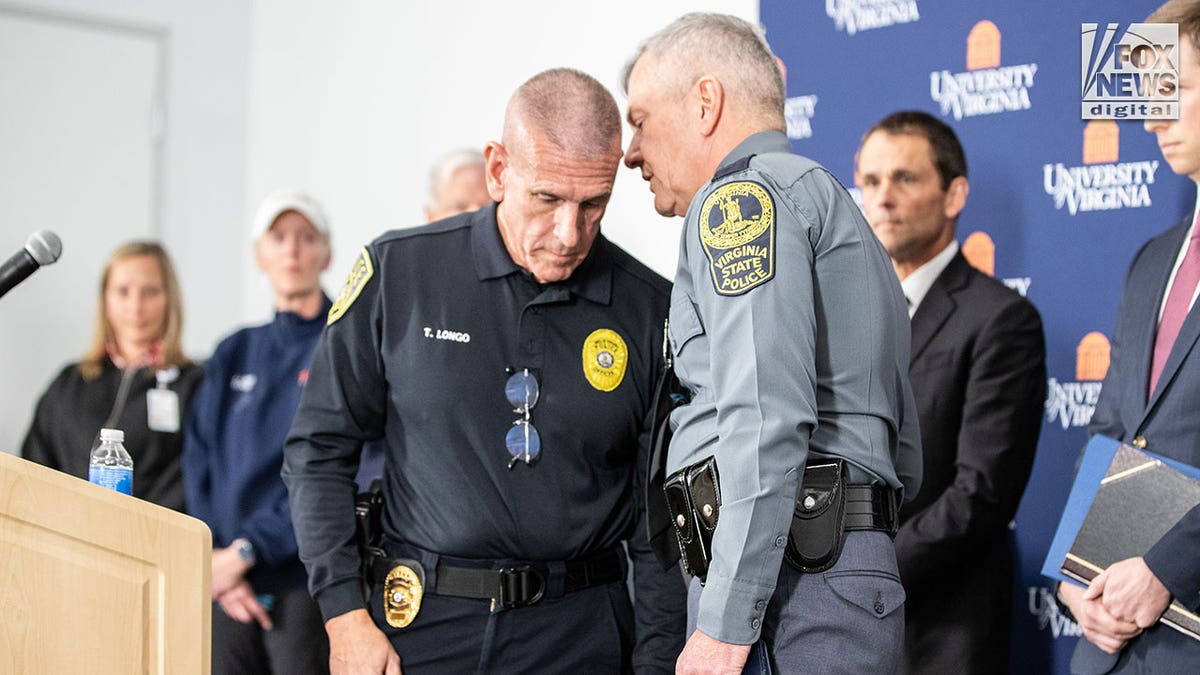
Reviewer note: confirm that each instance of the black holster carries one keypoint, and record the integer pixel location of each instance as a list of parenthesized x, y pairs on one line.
[(818, 520), (828, 507), (693, 497), (368, 533)]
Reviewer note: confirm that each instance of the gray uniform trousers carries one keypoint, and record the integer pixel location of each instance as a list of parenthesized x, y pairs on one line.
[(847, 619)]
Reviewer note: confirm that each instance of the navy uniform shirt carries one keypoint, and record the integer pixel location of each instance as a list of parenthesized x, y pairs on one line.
[(417, 353), (789, 327)]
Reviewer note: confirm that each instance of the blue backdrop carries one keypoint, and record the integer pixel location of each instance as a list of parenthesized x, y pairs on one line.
[(1062, 221)]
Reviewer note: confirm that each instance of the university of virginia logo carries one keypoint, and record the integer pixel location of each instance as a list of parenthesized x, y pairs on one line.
[(1092, 357), (986, 88), (1071, 404), (1102, 183), (853, 16), (980, 251), (737, 230), (1042, 606)]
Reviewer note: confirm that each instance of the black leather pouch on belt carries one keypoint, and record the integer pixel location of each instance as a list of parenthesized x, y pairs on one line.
[(694, 499), (817, 531)]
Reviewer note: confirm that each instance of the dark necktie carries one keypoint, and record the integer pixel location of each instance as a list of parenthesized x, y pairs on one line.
[(1179, 301)]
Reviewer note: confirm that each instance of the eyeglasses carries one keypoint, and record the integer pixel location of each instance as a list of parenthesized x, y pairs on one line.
[(522, 440)]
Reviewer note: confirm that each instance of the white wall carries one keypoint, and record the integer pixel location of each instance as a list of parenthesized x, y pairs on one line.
[(355, 100)]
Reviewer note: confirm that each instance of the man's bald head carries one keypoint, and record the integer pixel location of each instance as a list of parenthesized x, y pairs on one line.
[(567, 108)]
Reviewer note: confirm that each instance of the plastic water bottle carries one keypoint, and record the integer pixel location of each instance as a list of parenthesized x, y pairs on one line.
[(111, 466)]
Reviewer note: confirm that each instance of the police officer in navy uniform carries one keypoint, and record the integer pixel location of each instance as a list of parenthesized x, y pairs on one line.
[(789, 328), (507, 359)]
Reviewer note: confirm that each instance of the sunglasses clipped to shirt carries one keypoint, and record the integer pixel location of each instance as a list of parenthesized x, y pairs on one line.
[(522, 440)]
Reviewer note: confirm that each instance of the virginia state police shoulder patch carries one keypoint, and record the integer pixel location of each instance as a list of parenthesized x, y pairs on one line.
[(737, 231), (360, 274)]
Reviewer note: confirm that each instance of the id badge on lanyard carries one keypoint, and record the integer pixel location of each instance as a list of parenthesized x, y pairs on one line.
[(162, 404)]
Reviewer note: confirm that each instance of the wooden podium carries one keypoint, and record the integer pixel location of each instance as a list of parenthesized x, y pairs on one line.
[(92, 581)]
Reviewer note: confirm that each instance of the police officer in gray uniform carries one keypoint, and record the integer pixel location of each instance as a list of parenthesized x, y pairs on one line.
[(789, 329), (507, 359)]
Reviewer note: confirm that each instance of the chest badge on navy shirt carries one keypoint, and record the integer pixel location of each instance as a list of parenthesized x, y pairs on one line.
[(604, 358), (737, 231)]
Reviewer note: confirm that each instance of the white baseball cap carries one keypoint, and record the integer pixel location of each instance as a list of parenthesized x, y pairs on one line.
[(280, 201)]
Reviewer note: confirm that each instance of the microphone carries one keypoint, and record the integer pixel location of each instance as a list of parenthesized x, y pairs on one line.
[(42, 248)]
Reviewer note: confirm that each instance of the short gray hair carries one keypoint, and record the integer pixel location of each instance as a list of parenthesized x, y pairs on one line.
[(570, 108), (730, 48), (443, 170)]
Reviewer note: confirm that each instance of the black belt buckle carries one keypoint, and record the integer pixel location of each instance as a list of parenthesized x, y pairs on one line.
[(521, 586)]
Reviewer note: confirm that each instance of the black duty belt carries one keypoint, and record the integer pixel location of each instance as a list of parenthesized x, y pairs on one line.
[(523, 584), (827, 507), (871, 507)]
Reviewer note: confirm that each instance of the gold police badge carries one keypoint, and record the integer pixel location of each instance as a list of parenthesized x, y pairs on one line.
[(402, 593), (360, 273), (737, 231), (604, 359)]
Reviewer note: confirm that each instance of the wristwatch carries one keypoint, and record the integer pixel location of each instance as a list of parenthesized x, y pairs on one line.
[(245, 550)]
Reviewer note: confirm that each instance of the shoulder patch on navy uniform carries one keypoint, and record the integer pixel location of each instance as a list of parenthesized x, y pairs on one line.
[(360, 274), (737, 231)]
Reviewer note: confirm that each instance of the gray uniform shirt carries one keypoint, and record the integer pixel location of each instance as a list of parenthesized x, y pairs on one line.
[(788, 326)]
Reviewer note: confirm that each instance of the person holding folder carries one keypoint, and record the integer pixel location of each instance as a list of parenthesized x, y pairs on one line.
[(1149, 401)]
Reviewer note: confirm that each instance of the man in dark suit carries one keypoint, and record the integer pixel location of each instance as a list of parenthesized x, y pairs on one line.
[(979, 376), (1150, 400)]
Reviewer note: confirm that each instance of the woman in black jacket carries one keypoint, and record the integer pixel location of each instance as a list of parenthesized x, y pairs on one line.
[(133, 377)]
